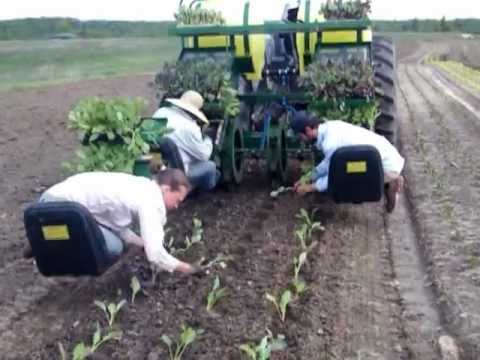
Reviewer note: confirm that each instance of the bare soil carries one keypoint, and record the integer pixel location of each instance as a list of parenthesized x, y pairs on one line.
[(379, 287)]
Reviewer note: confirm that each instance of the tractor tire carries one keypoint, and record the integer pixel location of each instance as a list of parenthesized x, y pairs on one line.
[(382, 42), (383, 53)]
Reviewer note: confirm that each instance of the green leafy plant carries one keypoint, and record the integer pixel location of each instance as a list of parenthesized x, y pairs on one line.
[(308, 223), (298, 263), (346, 9), (364, 115), (340, 77), (299, 286), (280, 190), (81, 351), (198, 16), (263, 350), (110, 119), (110, 310), (210, 77), (281, 303), (135, 286), (187, 337), (102, 157), (113, 134), (196, 237), (307, 172), (215, 294)]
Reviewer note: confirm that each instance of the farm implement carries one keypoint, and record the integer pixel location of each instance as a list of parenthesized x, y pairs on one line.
[(334, 68)]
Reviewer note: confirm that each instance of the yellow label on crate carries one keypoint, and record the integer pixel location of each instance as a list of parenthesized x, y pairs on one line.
[(355, 167), (55, 232)]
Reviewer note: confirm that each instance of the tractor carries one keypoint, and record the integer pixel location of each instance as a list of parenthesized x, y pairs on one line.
[(268, 56)]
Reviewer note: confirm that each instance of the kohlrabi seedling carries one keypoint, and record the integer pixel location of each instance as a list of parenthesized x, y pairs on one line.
[(282, 303), (215, 294), (187, 337), (111, 310)]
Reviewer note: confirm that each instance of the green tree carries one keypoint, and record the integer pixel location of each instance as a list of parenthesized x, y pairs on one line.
[(444, 25)]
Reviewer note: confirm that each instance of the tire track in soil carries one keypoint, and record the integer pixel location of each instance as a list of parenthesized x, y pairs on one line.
[(438, 205), (370, 324)]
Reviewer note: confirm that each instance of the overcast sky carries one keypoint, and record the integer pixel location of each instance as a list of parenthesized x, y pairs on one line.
[(155, 10)]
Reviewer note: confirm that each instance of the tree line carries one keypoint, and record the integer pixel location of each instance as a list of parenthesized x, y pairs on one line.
[(44, 28)]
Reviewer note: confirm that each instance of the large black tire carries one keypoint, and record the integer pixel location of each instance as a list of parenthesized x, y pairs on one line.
[(383, 53)]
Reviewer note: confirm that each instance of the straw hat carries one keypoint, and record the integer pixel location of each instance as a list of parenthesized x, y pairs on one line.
[(191, 101)]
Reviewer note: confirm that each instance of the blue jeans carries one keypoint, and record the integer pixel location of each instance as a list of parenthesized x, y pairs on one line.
[(112, 241), (203, 175)]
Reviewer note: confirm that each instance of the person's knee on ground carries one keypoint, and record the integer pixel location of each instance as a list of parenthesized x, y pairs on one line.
[(204, 176)]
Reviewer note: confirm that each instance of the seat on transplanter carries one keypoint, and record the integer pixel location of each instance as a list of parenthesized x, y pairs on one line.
[(356, 175), (66, 240)]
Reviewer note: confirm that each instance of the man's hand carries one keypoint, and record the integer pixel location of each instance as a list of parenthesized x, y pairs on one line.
[(190, 269), (304, 189)]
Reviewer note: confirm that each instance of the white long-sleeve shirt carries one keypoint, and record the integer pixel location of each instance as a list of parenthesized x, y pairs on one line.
[(336, 134), (116, 200), (187, 135)]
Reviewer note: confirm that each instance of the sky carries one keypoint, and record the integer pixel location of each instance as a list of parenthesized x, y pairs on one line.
[(157, 10)]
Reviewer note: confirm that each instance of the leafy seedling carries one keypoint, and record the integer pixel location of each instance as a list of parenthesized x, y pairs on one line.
[(265, 347), (298, 263), (196, 237), (281, 304), (220, 260), (82, 351), (111, 310), (301, 235), (215, 294), (308, 222), (136, 287), (261, 351), (299, 286), (280, 190), (187, 337)]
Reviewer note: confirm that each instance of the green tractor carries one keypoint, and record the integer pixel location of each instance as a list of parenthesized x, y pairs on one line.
[(272, 61)]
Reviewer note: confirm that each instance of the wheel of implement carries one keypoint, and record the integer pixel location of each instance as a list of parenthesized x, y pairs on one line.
[(232, 155)]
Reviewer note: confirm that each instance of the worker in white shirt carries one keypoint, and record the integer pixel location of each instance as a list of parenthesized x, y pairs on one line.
[(330, 136), (186, 120), (116, 199)]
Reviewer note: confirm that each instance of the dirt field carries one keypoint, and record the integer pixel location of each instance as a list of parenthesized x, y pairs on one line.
[(379, 287)]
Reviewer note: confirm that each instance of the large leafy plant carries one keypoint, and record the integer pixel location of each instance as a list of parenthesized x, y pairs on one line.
[(210, 77), (112, 132), (332, 83), (335, 80), (106, 119), (198, 16), (346, 9)]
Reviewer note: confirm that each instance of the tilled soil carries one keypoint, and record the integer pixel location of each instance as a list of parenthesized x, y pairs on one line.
[(379, 287)]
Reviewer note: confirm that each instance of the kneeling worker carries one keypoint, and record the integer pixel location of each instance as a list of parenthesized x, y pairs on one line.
[(115, 199), (330, 136), (186, 120)]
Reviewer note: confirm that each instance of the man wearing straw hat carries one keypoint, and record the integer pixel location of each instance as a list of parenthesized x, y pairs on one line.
[(185, 119)]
